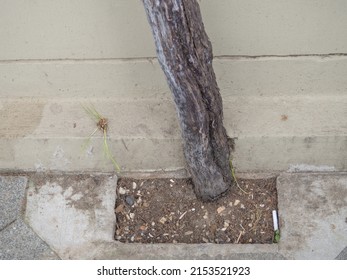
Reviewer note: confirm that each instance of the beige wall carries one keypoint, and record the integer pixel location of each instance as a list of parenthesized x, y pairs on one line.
[(281, 67)]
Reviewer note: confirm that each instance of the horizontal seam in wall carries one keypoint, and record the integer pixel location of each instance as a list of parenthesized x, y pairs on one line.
[(154, 59), (328, 55), (79, 60)]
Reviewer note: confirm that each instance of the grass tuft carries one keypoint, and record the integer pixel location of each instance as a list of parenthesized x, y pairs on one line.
[(101, 124)]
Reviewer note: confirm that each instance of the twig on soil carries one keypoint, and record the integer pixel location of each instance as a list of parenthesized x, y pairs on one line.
[(182, 215), (258, 216), (238, 239)]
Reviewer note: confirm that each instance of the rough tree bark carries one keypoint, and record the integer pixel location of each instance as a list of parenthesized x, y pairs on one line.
[(185, 54)]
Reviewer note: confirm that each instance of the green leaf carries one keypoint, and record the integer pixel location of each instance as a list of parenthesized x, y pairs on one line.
[(277, 236)]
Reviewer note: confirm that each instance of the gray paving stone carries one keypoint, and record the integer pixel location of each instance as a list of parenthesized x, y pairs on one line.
[(19, 242), (12, 191), (342, 255)]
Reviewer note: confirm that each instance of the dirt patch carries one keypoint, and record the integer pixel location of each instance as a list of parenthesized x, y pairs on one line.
[(167, 211)]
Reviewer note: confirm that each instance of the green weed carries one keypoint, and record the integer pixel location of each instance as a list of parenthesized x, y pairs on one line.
[(277, 236)]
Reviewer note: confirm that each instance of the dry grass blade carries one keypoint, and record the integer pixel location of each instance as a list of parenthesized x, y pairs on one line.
[(108, 153), (91, 111), (234, 176)]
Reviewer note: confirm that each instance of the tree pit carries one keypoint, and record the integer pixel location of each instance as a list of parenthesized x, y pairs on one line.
[(167, 211)]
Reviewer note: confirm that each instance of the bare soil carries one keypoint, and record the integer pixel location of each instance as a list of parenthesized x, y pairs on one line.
[(167, 211)]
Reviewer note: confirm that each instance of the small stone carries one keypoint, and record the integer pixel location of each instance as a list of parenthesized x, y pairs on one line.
[(261, 205), (132, 238), (205, 240), (132, 215), (153, 224), (143, 227), (145, 204), (231, 204), (220, 209), (134, 185), (242, 206), (188, 232), (226, 224), (129, 199), (236, 202), (205, 216), (250, 225), (224, 229), (174, 241), (119, 208), (122, 190), (162, 220), (193, 209), (172, 181)]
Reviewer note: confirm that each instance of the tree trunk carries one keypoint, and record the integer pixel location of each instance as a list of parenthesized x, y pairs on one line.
[(185, 55)]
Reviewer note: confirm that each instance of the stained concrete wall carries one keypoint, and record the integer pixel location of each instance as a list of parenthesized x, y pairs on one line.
[(281, 67)]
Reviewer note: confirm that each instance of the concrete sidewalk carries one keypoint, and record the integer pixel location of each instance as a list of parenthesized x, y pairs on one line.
[(72, 217)]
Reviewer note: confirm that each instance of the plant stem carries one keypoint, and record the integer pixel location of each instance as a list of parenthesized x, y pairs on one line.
[(234, 176)]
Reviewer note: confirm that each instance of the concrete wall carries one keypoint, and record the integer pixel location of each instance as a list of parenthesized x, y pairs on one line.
[(281, 67)]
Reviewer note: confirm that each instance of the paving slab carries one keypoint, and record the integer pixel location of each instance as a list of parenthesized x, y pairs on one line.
[(12, 192), (71, 210), (313, 215), (19, 242), (342, 255)]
